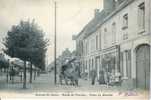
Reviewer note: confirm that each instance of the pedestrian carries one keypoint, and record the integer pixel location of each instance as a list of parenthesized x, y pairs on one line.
[(106, 77), (101, 77), (93, 76), (118, 79)]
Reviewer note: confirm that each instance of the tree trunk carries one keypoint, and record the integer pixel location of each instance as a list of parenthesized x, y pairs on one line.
[(7, 76), (24, 80), (21, 76), (34, 75), (31, 71), (10, 77)]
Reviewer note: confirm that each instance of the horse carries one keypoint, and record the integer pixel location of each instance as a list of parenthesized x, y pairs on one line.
[(69, 73)]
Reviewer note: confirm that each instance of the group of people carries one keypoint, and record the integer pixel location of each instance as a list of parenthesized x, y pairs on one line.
[(70, 74), (109, 78)]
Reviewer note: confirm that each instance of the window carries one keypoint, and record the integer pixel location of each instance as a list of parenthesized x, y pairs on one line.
[(141, 16), (93, 44), (82, 47), (125, 36), (125, 21), (100, 40), (86, 48), (105, 36), (92, 63), (97, 42), (86, 65), (114, 32)]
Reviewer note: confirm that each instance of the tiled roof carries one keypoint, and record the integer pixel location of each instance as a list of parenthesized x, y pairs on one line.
[(102, 17)]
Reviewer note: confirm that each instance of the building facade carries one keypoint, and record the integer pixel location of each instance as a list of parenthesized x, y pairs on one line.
[(117, 40)]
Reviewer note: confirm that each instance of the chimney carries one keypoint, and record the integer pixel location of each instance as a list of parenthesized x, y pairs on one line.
[(96, 12), (109, 5)]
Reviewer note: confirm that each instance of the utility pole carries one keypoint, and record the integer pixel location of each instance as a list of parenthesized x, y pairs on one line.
[(55, 45), (150, 38)]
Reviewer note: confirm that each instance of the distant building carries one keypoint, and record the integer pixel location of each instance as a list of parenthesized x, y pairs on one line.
[(62, 59), (117, 40)]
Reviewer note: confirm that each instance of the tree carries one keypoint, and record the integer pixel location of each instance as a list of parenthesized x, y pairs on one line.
[(3, 62), (26, 41)]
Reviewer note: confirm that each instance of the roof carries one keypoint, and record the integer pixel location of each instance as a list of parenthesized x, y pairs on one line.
[(102, 17), (93, 24)]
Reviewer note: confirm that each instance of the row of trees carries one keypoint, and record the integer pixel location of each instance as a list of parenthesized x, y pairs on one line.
[(26, 41)]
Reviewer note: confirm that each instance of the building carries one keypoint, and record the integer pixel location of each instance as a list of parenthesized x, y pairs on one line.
[(62, 59), (117, 40)]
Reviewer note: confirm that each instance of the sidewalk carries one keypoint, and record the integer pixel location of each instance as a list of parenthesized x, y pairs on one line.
[(16, 86)]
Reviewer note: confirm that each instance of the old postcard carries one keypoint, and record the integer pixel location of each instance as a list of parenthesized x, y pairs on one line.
[(75, 49)]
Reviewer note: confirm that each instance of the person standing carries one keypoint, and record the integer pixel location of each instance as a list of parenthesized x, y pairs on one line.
[(93, 76), (101, 77)]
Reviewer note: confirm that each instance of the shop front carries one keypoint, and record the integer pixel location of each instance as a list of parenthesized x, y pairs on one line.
[(110, 65)]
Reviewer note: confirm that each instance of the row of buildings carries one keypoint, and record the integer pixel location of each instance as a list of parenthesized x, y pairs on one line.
[(117, 40)]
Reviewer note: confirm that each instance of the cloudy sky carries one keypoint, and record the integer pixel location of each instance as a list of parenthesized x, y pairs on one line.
[(72, 15)]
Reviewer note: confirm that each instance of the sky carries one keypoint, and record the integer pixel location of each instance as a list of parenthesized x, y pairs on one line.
[(72, 16)]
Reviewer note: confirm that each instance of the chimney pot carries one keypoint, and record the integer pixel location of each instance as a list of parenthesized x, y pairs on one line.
[(96, 12)]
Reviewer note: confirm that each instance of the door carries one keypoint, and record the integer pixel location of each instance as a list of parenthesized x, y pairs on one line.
[(143, 67)]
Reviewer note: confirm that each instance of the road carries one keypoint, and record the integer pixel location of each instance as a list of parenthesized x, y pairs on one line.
[(45, 82)]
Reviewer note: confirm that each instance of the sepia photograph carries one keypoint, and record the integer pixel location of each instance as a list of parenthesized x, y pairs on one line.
[(75, 49)]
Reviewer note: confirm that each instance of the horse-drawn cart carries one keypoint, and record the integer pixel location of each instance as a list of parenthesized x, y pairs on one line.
[(69, 73)]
